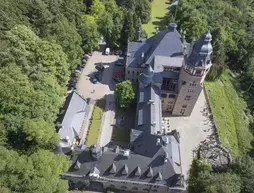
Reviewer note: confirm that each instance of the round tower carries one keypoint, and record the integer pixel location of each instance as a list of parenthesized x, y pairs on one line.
[(196, 65)]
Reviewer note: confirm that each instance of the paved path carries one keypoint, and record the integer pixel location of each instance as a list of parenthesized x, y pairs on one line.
[(193, 130), (97, 91), (107, 121)]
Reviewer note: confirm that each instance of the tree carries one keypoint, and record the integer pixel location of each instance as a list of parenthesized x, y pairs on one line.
[(203, 180), (195, 26), (244, 167), (125, 94), (143, 10), (36, 173), (89, 32), (97, 8)]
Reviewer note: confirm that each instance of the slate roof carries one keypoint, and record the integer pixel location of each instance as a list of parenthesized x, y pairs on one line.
[(166, 43), (135, 168), (74, 119)]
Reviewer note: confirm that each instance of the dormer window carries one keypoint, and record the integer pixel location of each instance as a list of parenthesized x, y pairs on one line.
[(188, 68)]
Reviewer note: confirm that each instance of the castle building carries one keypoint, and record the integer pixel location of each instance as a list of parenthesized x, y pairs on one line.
[(179, 68), (169, 74)]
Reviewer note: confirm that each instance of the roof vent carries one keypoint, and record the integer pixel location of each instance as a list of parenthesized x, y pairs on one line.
[(158, 142), (151, 102), (154, 123)]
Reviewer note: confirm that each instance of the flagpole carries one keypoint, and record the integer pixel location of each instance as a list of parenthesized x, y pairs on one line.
[(176, 10)]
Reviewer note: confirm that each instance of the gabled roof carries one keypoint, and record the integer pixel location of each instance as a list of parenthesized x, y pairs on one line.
[(166, 43), (76, 110)]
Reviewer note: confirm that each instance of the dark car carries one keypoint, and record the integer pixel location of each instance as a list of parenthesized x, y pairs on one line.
[(118, 79), (93, 79), (118, 63), (98, 75)]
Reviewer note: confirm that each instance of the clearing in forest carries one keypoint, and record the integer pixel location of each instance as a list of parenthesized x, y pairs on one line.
[(159, 10)]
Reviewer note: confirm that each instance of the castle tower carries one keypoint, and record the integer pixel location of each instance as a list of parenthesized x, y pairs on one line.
[(196, 65)]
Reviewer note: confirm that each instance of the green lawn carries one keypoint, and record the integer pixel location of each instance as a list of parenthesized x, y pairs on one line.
[(95, 123), (159, 10), (228, 110), (121, 135)]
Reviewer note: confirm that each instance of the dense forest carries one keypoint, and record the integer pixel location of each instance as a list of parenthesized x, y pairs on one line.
[(41, 42)]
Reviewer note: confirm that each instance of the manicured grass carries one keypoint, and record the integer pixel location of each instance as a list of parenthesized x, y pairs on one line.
[(159, 10), (121, 135), (95, 123), (228, 110)]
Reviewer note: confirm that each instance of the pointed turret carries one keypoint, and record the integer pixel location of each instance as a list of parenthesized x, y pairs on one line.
[(201, 52), (146, 77)]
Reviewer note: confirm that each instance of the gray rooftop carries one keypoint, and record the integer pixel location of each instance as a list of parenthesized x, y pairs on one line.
[(134, 168), (166, 43), (73, 119)]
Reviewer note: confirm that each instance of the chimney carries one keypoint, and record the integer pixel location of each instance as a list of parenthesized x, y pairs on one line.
[(172, 26), (138, 34)]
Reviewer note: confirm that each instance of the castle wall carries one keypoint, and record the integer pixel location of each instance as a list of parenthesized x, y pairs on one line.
[(132, 74), (104, 184), (190, 87)]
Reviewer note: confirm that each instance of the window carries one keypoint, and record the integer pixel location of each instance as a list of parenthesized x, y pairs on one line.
[(187, 98), (137, 73), (182, 111), (133, 72), (162, 101), (145, 189), (128, 72), (134, 188), (198, 72), (154, 190), (183, 83), (184, 106), (171, 96), (188, 68), (123, 187), (163, 95), (132, 79), (111, 185), (191, 84), (190, 90)]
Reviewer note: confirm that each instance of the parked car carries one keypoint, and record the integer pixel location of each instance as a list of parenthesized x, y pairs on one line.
[(93, 79), (98, 75), (118, 63), (89, 54), (118, 79), (80, 67)]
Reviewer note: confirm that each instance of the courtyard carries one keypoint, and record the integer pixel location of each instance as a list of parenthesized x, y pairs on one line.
[(104, 89), (193, 130)]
